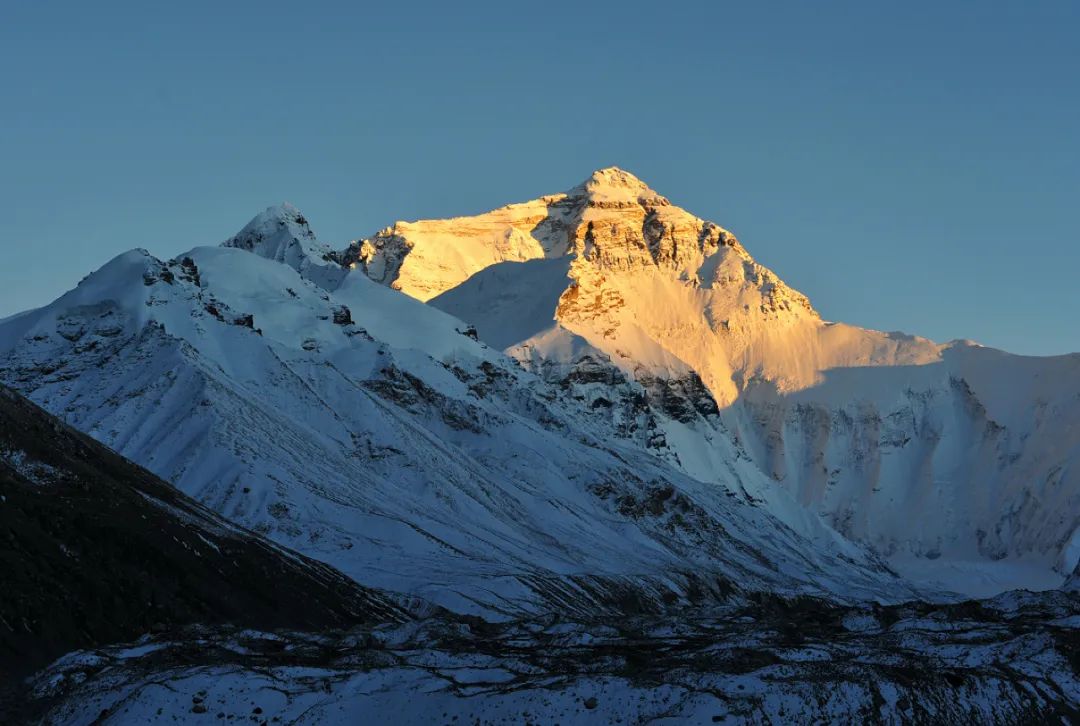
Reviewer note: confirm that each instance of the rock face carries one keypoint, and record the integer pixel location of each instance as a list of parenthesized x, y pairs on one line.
[(643, 280), (612, 219), (98, 550)]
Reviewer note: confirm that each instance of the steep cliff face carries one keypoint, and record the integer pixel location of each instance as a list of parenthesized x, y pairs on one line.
[(968, 460), (897, 441), (612, 221)]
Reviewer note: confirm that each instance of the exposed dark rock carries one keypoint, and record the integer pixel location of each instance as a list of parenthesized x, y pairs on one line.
[(342, 315), (247, 321), (160, 273), (683, 399), (189, 271), (413, 394), (360, 332), (98, 550), (589, 369)]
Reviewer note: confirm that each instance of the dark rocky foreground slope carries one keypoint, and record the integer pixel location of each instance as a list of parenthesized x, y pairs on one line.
[(766, 660), (96, 550)]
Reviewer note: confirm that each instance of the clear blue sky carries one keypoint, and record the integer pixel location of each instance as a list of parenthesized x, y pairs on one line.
[(909, 166)]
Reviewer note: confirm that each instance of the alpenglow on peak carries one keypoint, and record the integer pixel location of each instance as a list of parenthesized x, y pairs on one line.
[(612, 184)]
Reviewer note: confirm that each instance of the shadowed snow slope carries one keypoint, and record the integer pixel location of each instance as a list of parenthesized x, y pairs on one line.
[(949, 457)]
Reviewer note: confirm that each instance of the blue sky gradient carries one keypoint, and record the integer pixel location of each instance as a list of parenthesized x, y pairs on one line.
[(911, 166)]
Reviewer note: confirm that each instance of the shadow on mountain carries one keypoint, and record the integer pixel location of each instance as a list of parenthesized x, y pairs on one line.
[(509, 302), (944, 443), (98, 550)]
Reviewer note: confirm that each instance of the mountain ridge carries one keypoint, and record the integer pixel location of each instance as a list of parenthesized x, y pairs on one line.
[(615, 462), (640, 322), (363, 428), (636, 287), (607, 291)]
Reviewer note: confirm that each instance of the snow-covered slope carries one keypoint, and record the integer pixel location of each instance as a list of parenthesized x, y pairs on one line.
[(366, 429), (958, 462)]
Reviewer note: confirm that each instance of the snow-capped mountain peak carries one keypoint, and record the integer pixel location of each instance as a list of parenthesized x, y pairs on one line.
[(615, 185), (282, 233), (374, 432), (677, 432), (274, 233), (612, 221)]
